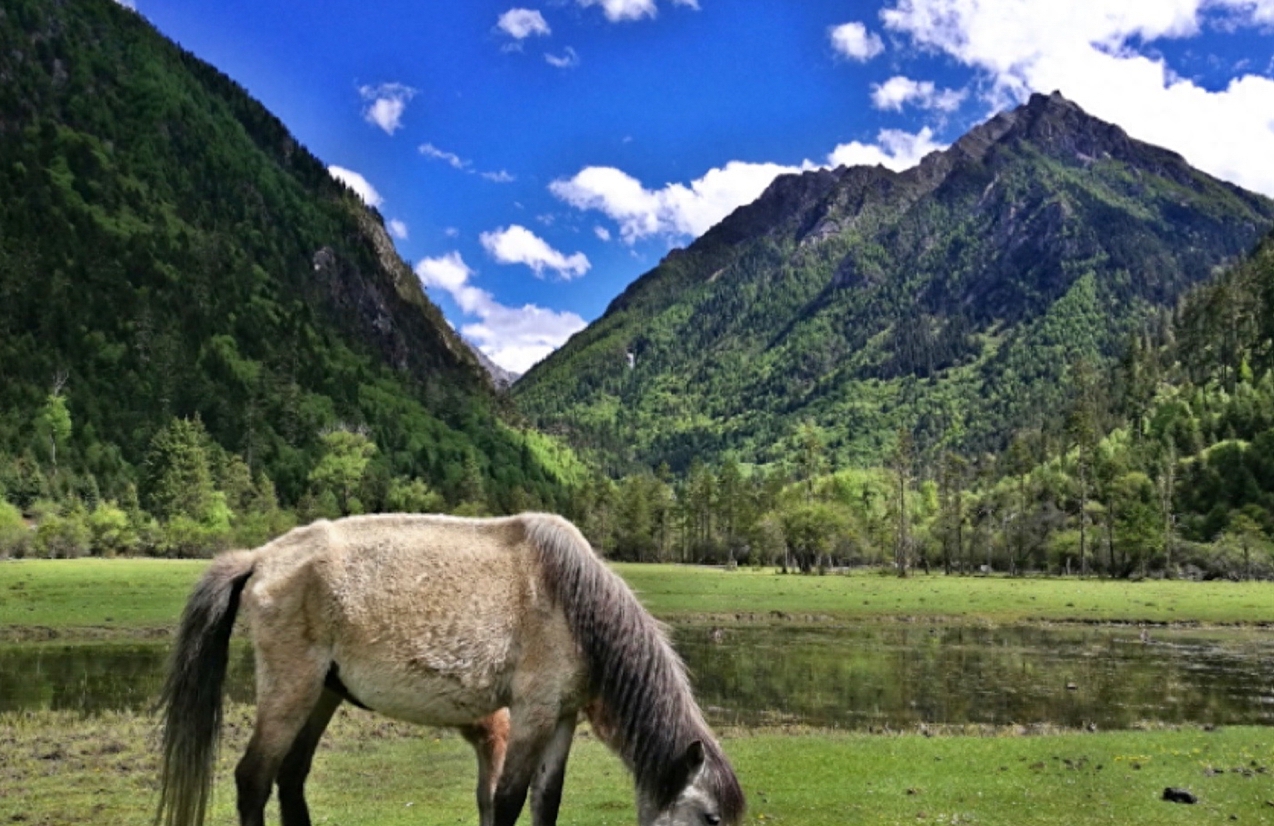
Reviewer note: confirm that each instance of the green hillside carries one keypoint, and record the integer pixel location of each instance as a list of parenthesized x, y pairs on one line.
[(170, 253), (948, 301)]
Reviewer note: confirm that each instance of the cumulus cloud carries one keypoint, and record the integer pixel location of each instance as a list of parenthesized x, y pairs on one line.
[(357, 183), (567, 60), (1090, 52), (398, 229), (385, 105), (602, 233), (523, 23), (518, 245), (513, 337), (852, 40), (616, 10), (894, 149), (677, 210), (899, 91)]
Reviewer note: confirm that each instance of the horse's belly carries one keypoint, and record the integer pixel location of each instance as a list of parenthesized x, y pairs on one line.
[(420, 695)]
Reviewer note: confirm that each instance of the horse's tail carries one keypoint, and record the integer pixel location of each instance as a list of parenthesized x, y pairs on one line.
[(191, 698)]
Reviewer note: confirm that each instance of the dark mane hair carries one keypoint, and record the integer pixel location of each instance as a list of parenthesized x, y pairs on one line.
[(633, 669)]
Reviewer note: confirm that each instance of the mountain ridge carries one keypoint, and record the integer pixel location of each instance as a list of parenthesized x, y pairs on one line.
[(834, 278)]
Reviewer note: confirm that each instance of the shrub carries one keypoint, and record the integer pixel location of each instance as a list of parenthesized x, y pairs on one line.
[(64, 536), (15, 537)]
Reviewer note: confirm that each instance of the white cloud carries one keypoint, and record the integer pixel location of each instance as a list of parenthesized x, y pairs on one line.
[(898, 91), (357, 183), (852, 40), (513, 337), (567, 60), (431, 151), (616, 10), (386, 104), (518, 245), (523, 23), (602, 233), (1089, 52), (676, 209), (679, 210), (464, 165), (894, 149), (398, 229)]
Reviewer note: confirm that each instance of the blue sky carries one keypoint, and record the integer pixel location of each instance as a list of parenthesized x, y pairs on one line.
[(533, 158)]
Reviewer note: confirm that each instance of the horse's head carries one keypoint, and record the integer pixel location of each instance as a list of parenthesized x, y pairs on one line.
[(699, 789)]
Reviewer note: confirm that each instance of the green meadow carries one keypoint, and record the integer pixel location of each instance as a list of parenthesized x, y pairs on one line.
[(58, 768), (93, 598)]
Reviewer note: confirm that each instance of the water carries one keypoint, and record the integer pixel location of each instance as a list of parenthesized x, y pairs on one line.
[(872, 675), (899, 676)]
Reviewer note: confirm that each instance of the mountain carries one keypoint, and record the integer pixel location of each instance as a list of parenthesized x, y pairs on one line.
[(501, 378), (168, 249), (949, 300)]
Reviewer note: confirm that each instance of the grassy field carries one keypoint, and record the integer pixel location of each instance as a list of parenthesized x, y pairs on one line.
[(60, 769), (131, 597)]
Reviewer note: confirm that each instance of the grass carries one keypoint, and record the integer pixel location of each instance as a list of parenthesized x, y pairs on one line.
[(132, 597), (94, 596), (683, 592), (58, 768)]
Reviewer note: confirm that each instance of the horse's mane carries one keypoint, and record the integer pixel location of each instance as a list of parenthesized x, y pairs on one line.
[(634, 671)]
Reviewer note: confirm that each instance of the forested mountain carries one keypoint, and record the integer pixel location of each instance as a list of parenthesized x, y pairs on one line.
[(170, 254), (950, 301)]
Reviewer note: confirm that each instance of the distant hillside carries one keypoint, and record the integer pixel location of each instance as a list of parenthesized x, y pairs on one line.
[(949, 300), (168, 249)]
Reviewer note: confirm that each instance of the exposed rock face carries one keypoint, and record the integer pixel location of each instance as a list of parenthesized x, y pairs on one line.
[(1042, 235), (501, 378)]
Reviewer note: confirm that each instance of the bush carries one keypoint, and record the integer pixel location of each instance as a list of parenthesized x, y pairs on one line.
[(16, 538), (65, 536), (111, 530)]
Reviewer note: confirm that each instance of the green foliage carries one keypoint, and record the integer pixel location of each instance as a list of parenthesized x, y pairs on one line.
[(169, 252), (341, 468), (178, 477), (15, 536)]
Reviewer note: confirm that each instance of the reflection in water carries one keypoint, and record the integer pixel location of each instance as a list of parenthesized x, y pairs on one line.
[(93, 677), (902, 675), (858, 676)]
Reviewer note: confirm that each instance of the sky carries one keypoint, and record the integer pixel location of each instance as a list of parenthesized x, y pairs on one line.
[(531, 159)]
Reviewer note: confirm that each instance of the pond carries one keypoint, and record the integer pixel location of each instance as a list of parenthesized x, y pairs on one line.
[(901, 675), (872, 675)]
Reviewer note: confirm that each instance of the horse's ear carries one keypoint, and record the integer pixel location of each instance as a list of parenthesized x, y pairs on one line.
[(693, 758), (679, 773)]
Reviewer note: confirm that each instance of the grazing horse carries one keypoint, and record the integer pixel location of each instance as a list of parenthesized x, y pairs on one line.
[(505, 629)]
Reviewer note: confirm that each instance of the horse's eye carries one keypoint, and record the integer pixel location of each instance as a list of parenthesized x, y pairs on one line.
[(711, 819)]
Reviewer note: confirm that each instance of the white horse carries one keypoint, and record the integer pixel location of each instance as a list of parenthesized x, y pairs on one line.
[(503, 628)]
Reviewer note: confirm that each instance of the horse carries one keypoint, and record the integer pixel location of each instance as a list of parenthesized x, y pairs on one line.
[(506, 629)]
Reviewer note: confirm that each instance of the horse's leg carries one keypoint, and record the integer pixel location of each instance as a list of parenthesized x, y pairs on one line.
[(490, 739), (530, 730), (296, 765), (546, 788), (288, 689)]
